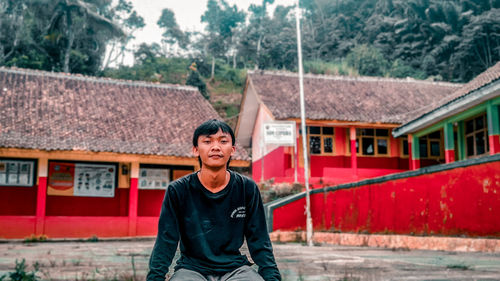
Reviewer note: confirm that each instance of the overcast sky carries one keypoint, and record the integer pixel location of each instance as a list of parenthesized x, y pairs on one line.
[(187, 13)]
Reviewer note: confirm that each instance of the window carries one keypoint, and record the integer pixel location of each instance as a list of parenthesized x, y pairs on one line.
[(321, 140), (373, 142), (476, 136), (404, 147), (430, 145)]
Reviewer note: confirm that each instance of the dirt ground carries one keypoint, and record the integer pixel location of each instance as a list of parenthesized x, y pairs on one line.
[(127, 260)]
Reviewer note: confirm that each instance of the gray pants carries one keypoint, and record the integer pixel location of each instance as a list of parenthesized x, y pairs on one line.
[(244, 273)]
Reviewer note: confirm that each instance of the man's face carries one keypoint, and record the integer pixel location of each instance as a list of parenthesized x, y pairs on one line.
[(214, 150)]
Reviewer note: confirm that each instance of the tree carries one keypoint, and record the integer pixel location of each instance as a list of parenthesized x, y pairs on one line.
[(172, 34), (62, 35), (65, 13), (126, 17), (194, 79), (221, 21), (479, 46), (367, 60)]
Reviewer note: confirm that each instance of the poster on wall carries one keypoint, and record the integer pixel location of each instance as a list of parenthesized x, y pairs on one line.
[(154, 178), (82, 179), (17, 172)]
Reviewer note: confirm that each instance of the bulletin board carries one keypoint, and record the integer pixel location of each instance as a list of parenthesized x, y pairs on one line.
[(17, 172), (82, 179)]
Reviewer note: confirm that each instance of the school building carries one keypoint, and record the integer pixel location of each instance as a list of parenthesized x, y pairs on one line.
[(458, 197), (349, 123), (85, 156)]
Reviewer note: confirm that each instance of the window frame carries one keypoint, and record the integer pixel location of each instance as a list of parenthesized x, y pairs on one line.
[(401, 149), (428, 141), (360, 137), (322, 137), (475, 131)]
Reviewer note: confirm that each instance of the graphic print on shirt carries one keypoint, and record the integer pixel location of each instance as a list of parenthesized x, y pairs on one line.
[(238, 213)]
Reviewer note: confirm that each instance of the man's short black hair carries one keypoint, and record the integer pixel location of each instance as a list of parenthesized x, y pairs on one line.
[(211, 127)]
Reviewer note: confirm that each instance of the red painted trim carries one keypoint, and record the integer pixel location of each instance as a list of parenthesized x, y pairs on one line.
[(415, 164), (410, 155), (449, 155), (41, 200), (147, 226), (132, 206), (354, 157), (84, 227), (17, 226), (494, 144)]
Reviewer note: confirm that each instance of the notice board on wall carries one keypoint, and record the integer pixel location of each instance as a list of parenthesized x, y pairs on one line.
[(17, 172), (82, 179), (154, 178)]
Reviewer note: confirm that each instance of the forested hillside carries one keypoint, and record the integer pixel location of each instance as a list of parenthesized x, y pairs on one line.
[(450, 40)]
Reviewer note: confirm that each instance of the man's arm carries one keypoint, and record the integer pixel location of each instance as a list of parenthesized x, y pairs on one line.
[(257, 238), (166, 240)]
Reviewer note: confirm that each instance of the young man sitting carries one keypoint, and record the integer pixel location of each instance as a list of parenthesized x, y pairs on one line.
[(211, 212)]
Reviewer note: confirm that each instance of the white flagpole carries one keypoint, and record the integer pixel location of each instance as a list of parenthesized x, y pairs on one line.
[(303, 126)]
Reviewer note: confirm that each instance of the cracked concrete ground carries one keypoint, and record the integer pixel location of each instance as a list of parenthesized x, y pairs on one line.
[(127, 260)]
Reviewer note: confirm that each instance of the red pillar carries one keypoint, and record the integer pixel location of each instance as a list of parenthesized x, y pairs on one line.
[(449, 155), (413, 151), (133, 199), (410, 155), (494, 144), (449, 143), (41, 197), (354, 157)]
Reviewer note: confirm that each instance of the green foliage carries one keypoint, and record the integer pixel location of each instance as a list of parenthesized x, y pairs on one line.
[(21, 274), (194, 79), (152, 67), (401, 70), (367, 60), (235, 76), (232, 110), (172, 33), (35, 238), (328, 68), (60, 35), (221, 20), (271, 191)]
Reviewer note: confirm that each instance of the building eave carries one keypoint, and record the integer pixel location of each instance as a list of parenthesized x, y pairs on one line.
[(460, 104)]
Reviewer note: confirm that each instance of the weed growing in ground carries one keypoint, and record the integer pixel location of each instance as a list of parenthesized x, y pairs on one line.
[(35, 238), (20, 273), (460, 266), (94, 238)]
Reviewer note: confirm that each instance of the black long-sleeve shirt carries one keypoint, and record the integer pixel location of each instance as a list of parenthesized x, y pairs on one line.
[(211, 228)]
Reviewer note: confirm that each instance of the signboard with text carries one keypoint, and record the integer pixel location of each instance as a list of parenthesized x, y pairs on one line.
[(280, 132), (82, 179), (154, 178), (17, 172)]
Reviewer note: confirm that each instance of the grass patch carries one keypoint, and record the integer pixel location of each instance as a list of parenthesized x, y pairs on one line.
[(459, 266)]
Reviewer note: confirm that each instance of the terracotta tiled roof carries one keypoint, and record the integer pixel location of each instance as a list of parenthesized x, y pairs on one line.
[(363, 99), (490, 75), (56, 111)]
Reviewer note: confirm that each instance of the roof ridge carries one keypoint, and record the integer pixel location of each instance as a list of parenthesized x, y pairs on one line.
[(106, 80), (353, 78)]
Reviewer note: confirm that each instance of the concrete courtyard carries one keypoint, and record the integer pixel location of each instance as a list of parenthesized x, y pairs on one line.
[(127, 260)]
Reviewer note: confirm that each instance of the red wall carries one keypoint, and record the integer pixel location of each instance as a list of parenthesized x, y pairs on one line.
[(275, 164), (19, 201), (88, 206), (460, 201), (150, 201)]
